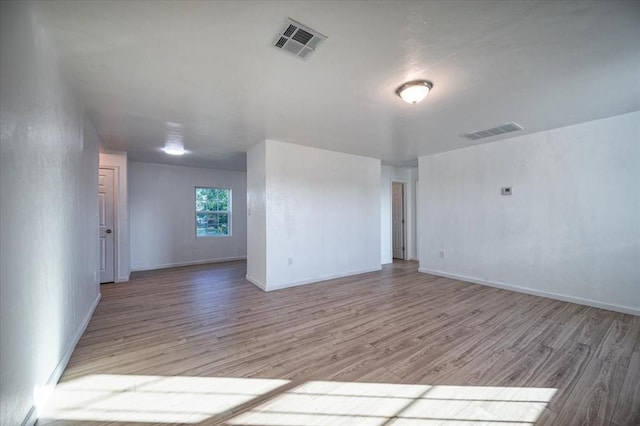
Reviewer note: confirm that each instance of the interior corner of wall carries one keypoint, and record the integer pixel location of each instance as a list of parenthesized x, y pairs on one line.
[(256, 282)]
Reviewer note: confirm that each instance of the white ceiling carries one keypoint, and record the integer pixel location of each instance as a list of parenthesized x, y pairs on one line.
[(211, 67)]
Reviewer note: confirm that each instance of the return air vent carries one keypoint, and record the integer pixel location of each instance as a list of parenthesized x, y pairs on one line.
[(297, 39), (494, 131)]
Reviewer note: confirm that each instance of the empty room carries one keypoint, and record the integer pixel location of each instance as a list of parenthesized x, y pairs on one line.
[(319, 213)]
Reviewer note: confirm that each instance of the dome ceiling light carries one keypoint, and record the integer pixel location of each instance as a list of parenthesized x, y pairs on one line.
[(414, 91), (173, 144), (173, 148)]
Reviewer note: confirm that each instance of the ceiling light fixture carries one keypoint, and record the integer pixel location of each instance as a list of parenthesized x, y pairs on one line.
[(414, 91), (173, 144), (173, 148)]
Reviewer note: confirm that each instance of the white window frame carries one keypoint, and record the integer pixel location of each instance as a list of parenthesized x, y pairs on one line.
[(228, 212)]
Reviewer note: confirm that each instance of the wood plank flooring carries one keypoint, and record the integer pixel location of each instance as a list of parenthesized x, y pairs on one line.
[(397, 337)]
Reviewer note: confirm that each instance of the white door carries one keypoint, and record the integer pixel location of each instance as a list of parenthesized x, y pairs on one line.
[(107, 230), (397, 225)]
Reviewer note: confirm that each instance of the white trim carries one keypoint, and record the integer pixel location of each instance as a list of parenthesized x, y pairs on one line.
[(124, 279), (325, 278), (189, 263), (228, 212), (116, 217), (32, 416), (405, 202), (534, 292), (255, 282), (57, 373)]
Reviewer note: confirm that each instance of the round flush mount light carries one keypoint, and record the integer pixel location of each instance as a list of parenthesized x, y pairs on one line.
[(414, 91), (173, 148), (173, 144)]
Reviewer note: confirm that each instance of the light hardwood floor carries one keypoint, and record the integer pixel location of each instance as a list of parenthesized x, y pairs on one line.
[(395, 346)]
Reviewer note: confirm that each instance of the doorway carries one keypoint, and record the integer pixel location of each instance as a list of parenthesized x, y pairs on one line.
[(398, 219), (106, 221)]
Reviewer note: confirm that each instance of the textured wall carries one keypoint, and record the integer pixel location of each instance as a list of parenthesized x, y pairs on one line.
[(49, 211), (322, 214), (162, 216), (571, 227), (257, 215)]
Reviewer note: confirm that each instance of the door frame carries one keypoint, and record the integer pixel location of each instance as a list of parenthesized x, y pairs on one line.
[(116, 230), (404, 184)]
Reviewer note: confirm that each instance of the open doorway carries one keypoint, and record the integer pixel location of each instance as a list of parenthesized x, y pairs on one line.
[(398, 220)]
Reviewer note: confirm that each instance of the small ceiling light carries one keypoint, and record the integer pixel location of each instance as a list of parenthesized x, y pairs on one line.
[(414, 91), (173, 148), (173, 144)]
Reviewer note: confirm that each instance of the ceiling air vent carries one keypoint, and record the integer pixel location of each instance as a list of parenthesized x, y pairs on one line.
[(494, 131), (297, 39)]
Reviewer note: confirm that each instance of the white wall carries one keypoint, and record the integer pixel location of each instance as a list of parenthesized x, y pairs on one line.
[(118, 161), (571, 229), (408, 176), (49, 210), (257, 215), (162, 208), (322, 214), (413, 247)]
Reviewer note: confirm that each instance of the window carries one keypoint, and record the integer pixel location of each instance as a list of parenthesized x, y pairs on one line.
[(213, 212)]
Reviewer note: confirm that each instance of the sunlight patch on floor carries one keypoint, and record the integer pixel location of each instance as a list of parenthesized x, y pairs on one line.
[(322, 403), (180, 399), (159, 399)]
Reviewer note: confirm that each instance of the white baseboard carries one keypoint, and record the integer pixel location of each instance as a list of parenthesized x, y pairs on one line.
[(47, 389), (534, 292), (123, 279), (389, 262), (189, 263), (325, 278), (255, 282)]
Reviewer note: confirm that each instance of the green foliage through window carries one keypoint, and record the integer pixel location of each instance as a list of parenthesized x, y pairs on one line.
[(213, 212)]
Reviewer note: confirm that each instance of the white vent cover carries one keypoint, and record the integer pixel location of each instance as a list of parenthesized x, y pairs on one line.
[(298, 39), (494, 131)]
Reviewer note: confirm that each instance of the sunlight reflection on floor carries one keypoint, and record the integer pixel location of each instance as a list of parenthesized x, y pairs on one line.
[(179, 399), (321, 403), (195, 399)]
